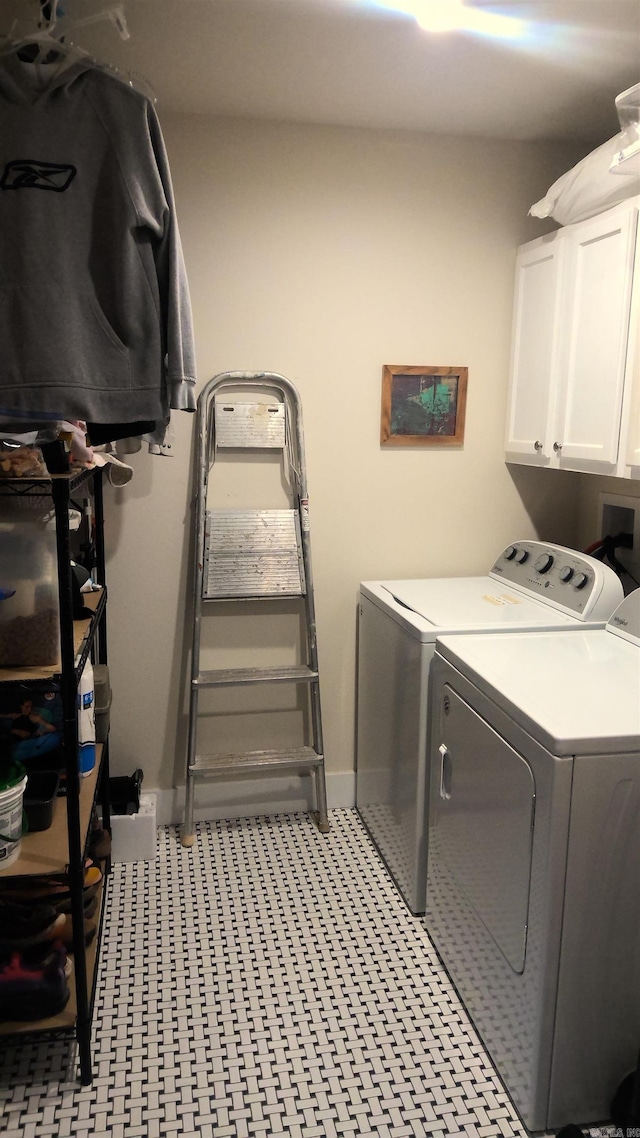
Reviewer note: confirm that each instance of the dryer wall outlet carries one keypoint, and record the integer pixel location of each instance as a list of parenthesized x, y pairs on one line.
[(621, 514)]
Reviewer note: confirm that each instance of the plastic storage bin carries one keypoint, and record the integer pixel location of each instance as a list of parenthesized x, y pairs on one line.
[(134, 836), (29, 623), (40, 799)]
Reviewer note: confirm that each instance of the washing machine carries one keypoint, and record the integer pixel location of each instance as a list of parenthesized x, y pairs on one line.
[(531, 585), (533, 896)]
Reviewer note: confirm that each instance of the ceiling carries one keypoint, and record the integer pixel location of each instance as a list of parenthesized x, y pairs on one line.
[(357, 63)]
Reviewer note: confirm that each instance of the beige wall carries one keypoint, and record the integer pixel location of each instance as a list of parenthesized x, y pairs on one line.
[(324, 253)]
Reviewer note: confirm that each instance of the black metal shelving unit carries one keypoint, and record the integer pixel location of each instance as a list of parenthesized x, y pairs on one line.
[(78, 640)]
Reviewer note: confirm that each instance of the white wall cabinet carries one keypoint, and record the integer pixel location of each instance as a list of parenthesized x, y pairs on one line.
[(573, 396), (633, 371)]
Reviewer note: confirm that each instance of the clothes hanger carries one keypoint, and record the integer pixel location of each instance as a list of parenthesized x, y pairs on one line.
[(45, 47), (44, 39), (41, 46), (115, 15)]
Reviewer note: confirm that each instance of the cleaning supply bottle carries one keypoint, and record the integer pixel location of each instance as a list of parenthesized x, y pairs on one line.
[(86, 721)]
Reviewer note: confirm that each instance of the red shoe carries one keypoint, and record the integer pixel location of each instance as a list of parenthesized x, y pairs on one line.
[(32, 991)]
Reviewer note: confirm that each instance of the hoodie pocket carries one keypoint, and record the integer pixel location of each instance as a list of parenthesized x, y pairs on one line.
[(60, 338), (107, 328)]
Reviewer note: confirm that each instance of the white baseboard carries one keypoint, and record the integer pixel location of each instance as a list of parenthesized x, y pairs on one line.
[(247, 798)]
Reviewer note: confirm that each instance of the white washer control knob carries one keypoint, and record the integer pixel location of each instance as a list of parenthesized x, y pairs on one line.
[(580, 580), (521, 556), (543, 563), (566, 573), (510, 552)]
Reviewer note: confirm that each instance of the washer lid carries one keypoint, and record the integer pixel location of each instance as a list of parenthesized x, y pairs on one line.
[(576, 693), (438, 605)]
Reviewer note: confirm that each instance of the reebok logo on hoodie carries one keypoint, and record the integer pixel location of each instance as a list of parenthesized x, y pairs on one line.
[(29, 175)]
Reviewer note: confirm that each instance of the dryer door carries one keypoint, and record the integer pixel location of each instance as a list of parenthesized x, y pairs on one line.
[(482, 823)]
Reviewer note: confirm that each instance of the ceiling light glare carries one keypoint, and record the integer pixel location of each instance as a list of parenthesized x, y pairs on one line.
[(439, 15), (456, 15), (494, 25)]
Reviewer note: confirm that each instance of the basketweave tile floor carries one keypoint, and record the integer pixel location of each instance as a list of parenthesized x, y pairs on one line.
[(270, 981)]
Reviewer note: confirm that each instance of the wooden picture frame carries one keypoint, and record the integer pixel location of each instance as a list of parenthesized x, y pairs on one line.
[(423, 406)]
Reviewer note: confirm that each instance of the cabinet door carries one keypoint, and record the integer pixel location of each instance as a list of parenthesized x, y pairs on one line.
[(633, 445), (634, 439), (599, 272), (633, 376), (536, 329)]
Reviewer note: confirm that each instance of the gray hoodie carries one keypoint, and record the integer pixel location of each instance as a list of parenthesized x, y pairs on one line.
[(95, 318)]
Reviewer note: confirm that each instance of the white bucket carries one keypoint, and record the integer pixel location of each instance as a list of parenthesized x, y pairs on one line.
[(11, 822)]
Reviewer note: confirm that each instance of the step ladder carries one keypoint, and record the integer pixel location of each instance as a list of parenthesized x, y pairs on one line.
[(253, 554)]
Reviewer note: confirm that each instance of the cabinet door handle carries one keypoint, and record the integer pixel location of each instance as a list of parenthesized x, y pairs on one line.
[(537, 445), (446, 771), (557, 446)]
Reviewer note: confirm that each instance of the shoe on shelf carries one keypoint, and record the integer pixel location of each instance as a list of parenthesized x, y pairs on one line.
[(89, 908), (32, 990), (65, 934), (45, 956), (52, 890), (92, 881), (24, 925), (99, 844)]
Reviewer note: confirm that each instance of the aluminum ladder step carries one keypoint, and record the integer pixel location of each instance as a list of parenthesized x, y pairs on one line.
[(246, 554), (252, 553), (226, 677), (252, 762), (243, 425)]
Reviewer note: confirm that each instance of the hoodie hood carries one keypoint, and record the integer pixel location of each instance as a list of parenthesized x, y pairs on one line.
[(25, 82)]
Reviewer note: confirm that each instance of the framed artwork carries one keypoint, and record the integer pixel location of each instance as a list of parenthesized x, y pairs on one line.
[(423, 406)]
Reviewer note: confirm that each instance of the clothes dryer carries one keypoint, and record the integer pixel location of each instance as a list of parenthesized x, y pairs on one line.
[(533, 896), (531, 585)]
